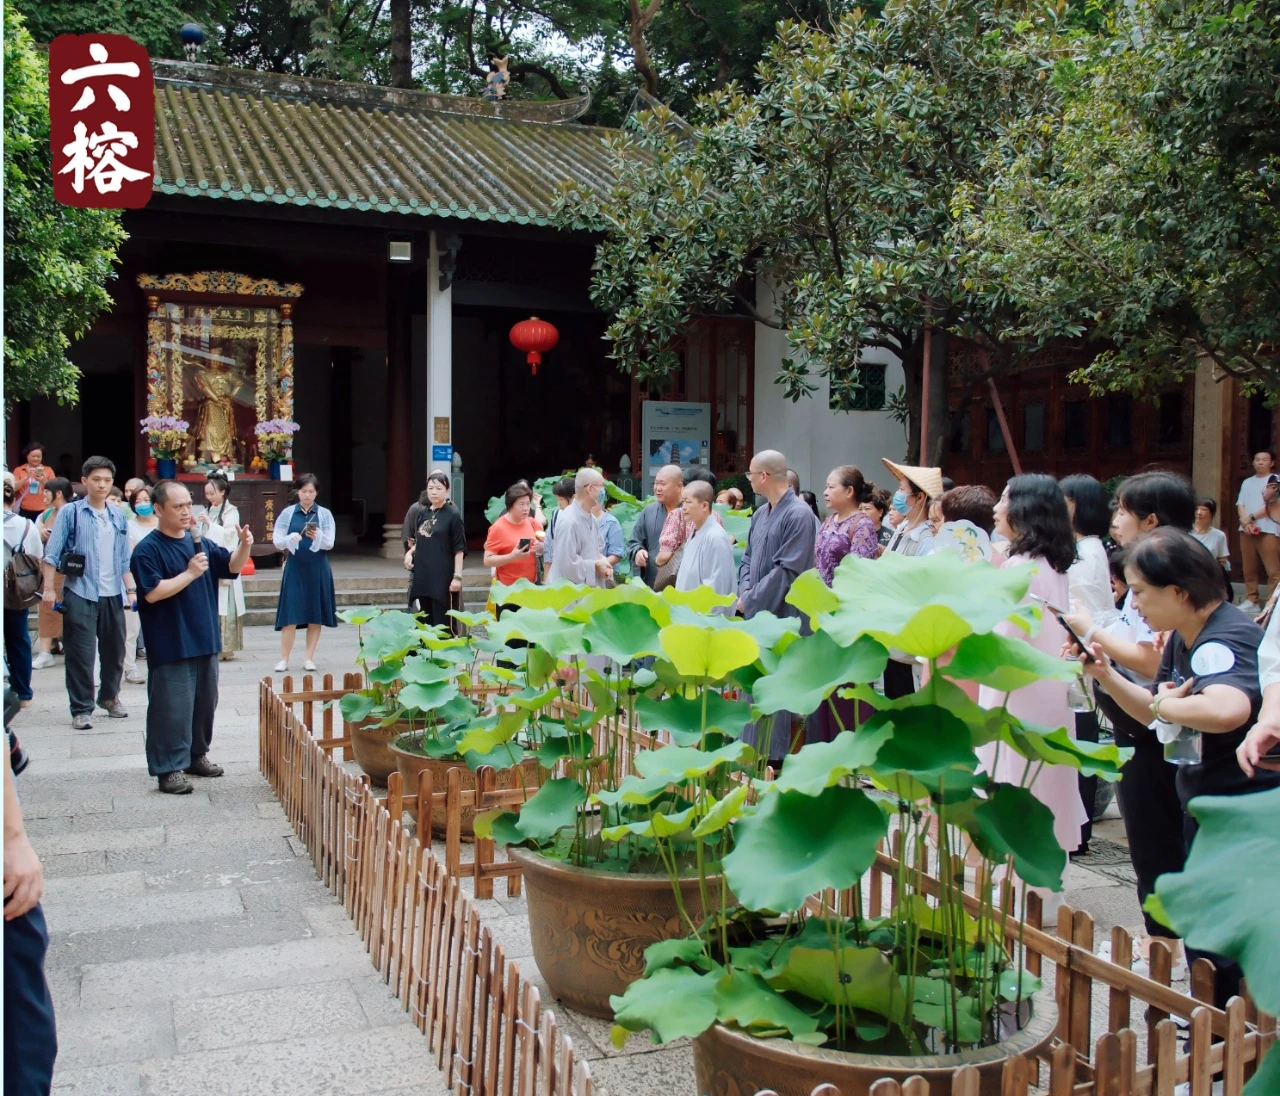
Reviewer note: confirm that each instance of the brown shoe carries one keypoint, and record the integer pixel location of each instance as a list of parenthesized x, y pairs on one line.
[(176, 784), (202, 766)]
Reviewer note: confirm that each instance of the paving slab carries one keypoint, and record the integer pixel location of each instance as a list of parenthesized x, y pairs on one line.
[(267, 1016), (316, 1066), (96, 1037), (124, 1079), (112, 912)]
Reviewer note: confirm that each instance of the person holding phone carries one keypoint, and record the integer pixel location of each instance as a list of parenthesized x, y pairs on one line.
[(1207, 682), (434, 554), (30, 478), (1259, 543), (305, 531), (1032, 514), (512, 542)]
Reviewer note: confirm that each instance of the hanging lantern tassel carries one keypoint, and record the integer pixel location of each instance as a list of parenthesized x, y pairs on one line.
[(535, 337)]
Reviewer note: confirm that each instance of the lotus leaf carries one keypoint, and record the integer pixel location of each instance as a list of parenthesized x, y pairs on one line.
[(792, 845), (812, 596), (358, 616), (500, 826), (422, 671), (634, 789), (541, 626), (529, 595), (1015, 984), (426, 698), (724, 812), (745, 999), (551, 808), (703, 599), (812, 668), (675, 1002), (384, 673), (623, 632), (924, 605), (851, 976), (685, 762), (1006, 663), (355, 707), (1057, 747), (471, 620), (819, 765), (1011, 821), (707, 654), (683, 718), (1225, 899), (656, 825), (667, 953), (960, 1020)]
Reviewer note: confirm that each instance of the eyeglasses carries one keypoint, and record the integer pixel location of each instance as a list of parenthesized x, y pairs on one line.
[(752, 472)]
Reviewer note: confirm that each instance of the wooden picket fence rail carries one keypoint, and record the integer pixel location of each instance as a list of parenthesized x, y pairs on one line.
[(1227, 1043), (485, 1025)]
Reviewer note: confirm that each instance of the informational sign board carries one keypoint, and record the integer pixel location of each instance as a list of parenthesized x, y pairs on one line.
[(673, 433), (442, 453)]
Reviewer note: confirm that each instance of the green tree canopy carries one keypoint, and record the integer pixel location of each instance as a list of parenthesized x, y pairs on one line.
[(56, 259), (1145, 214), (837, 180)]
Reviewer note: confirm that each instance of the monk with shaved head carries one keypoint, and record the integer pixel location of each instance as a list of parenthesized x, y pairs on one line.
[(643, 547), (780, 546)]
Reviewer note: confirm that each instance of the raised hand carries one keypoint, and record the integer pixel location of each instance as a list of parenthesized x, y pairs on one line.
[(245, 534)]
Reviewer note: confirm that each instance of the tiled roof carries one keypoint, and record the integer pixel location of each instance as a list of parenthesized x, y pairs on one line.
[(254, 137)]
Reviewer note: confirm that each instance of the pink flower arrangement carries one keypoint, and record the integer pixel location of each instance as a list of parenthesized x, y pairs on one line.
[(168, 435)]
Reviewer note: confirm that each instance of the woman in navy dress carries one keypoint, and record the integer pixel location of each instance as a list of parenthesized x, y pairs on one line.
[(305, 532)]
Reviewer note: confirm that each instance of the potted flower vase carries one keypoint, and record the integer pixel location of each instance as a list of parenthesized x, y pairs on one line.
[(371, 744), (728, 1061), (590, 928), (411, 763), (166, 468)]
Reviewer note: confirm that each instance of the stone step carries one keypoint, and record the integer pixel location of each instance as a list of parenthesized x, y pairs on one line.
[(270, 582), (261, 608), (387, 595)]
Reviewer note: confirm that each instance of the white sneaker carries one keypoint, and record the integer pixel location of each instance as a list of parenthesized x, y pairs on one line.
[(309, 666), (135, 678), (43, 661), (282, 666), (1250, 607)]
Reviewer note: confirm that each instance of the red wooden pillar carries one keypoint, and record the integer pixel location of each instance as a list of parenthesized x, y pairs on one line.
[(399, 474)]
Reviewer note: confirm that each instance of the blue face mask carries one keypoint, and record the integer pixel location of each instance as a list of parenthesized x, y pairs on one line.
[(900, 501), (144, 509)]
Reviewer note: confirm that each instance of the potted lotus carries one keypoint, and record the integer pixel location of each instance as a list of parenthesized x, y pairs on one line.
[(623, 848), (425, 691), (778, 993)]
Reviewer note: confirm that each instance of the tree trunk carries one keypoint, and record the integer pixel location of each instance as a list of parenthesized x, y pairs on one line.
[(640, 20), (939, 418), (401, 45)]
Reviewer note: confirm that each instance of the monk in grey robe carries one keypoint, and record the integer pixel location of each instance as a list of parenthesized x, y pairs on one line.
[(780, 546)]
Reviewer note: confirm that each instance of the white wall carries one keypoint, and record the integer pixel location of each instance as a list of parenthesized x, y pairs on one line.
[(814, 438)]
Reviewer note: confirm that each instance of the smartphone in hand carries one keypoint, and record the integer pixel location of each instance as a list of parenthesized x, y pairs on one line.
[(1060, 614)]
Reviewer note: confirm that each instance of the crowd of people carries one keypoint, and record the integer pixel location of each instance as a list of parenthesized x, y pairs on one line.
[(1171, 667)]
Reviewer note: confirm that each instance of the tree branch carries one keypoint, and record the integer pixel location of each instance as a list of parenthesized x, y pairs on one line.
[(527, 68), (640, 20)]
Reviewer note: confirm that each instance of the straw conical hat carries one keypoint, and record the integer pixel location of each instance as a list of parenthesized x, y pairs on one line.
[(929, 480)]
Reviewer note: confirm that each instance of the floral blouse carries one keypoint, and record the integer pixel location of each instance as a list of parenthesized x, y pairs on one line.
[(837, 539), (677, 529)]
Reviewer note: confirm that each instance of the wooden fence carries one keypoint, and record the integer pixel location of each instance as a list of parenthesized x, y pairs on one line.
[(484, 1023), (1226, 1043)]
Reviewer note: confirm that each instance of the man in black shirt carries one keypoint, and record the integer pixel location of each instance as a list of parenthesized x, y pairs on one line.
[(178, 581)]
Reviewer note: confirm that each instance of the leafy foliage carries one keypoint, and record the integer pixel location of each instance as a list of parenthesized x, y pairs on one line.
[(1140, 210), (57, 260), (836, 179)]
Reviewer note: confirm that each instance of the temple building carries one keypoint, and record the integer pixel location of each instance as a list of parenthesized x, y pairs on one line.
[(353, 258)]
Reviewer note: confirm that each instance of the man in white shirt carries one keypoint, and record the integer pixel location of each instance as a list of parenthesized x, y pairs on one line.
[(1258, 539), (579, 553), (708, 557)]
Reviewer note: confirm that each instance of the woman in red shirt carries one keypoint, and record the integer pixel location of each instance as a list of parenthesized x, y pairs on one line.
[(502, 547)]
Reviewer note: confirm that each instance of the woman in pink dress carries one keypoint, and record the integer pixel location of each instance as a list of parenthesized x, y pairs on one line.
[(1033, 514)]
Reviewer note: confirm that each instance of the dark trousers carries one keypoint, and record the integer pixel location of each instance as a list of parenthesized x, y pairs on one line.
[(87, 625), (17, 649), (433, 610), (899, 679), (30, 1037), (1087, 731), (1153, 819), (182, 698)]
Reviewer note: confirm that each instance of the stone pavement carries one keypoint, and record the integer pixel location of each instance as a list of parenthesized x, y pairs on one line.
[(194, 950)]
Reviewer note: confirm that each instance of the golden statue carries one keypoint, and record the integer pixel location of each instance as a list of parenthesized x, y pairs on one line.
[(215, 431)]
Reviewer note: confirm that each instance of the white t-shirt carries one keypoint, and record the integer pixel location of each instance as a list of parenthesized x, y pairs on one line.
[(1133, 627), (1215, 540), (1252, 501), (1090, 582)]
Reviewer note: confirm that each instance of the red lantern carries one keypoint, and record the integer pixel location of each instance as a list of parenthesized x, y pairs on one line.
[(536, 337)]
